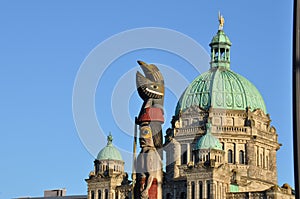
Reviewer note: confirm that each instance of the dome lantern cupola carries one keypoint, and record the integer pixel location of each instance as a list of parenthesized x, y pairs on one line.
[(220, 48), (208, 149), (208, 141), (109, 160), (109, 152)]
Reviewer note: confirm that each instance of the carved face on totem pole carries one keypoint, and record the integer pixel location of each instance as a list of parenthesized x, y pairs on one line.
[(146, 137), (151, 89), (150, 86)]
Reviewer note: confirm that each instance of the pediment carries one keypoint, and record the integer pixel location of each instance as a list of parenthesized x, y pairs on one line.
[(260, 113)]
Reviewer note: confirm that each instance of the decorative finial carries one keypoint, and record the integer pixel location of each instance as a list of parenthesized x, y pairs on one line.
[(221, 21), (109, 139)]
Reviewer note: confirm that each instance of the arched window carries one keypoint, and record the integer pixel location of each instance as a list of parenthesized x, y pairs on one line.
[(106, 194), (242, 157), (216, 57), (193, 190), (92, 195), (99, 194), (200, 190), (261, 160), (230, 156), (223, 55), (227, 54)]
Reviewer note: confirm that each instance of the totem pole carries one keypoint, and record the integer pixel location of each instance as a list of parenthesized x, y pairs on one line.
[(149, 161)]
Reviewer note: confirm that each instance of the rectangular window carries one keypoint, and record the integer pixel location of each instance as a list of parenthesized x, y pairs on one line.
[(106, 194), (99, 194), (230, 156), (193, 190), (200, 190), (184, 154), (208, 189), (242, 157), (92, 195)]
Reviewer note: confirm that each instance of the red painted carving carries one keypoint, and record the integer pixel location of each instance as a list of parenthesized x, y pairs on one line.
[(151, 114), (153, 190)]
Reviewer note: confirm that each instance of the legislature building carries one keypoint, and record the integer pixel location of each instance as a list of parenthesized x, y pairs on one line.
[(221, 143)]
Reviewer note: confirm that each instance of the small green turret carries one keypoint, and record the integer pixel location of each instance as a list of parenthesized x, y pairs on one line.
[(109, 152)]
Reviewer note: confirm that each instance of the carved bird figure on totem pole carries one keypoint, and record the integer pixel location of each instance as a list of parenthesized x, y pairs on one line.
[(149, 162), (151, 89)]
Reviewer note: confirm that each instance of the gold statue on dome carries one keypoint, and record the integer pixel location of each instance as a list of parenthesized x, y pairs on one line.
[(221, 21)]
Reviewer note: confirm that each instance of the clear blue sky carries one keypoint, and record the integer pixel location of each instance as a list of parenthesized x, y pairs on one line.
[(44, 43)]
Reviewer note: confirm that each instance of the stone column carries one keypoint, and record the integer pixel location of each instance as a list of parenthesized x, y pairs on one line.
[(220, 188), (188, 151), (89, 194), (197, 189), (273, 166), (251, 159), (189, 189), (264, 158), (177, 158), (250, 153), (111, 194), (96, 194), (213, 191), (204, 189)]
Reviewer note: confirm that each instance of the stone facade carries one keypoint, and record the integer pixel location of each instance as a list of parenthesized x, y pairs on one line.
[(108, 180), (247, 163)]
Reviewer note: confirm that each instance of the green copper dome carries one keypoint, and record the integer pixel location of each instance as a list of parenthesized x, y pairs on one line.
[(109, 152), (220, 87), (208, 141)]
